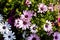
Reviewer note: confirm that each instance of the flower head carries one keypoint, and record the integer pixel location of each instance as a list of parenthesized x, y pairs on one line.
[(48, 26), (42, 8), (27, 15), (4, 27), (33, 28), (28, 2), (22, 24), (33, 37), (56, 36), (51, 7), (9, 36), (18, 23)]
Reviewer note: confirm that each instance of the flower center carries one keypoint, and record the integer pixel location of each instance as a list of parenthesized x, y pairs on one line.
[(9, 36), (34, 28), (34, 38), (17, 23), (41, 8), (56, 37), (46, 25), (26, 16), (4, 27), (24, 22), (27, 2)]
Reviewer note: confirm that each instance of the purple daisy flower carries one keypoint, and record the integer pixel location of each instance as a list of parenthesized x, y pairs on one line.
[(42, 8), (51, 7), (56, 36), (27, 15), (25, 25), (18, 23), (22, 24), (28, 2), (33, 37)]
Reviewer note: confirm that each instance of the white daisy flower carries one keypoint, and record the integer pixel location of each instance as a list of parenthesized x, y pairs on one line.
[(9, 36), (48, 26), (33, 28), (4, 27), (7, 25), (1, 18)]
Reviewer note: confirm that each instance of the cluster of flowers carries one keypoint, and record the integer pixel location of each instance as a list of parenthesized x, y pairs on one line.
[(24, 22), (5, 30)]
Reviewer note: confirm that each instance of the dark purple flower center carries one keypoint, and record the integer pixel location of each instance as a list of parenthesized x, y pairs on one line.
[(4, 27), (27, 2), (46, 25), (41, 8), (34, 28), (26, 16), (33, 38), (24, 22), (17, 21), (56, 37), (9, 36), (17, 24)]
